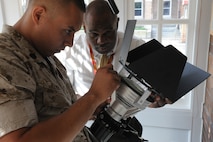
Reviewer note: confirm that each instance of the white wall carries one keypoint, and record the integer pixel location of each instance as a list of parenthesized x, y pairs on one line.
[(121, 4), (10, 10)]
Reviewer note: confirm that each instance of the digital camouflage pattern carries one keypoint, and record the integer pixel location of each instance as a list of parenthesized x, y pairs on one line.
[(32, 88)]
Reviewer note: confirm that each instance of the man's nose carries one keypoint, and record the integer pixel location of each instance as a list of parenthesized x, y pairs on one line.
[(69, 41), (101, 39)]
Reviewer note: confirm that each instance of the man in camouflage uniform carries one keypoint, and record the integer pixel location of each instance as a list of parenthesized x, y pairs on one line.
[(37, 102)]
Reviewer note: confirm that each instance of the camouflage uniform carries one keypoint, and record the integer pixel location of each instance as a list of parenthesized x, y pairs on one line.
[(32, 88)]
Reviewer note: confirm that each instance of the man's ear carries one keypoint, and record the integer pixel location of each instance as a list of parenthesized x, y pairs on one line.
[(37, 14)]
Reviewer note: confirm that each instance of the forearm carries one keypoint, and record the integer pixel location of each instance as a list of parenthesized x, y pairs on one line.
[(61, 128), (65, 127)]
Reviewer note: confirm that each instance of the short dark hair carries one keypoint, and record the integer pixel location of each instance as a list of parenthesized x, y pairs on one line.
[(79, 3), (99, 7)]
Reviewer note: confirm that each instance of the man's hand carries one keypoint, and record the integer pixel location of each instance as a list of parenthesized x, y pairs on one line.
[(159, 101), (106, 81)]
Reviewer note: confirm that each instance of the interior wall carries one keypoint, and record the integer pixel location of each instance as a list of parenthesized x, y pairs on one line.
[(11, 11), (121, 4), (207, 134)]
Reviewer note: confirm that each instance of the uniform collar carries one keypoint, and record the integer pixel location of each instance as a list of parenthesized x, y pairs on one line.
[(23, 44)]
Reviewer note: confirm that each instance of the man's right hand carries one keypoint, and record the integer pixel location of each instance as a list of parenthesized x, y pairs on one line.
[(106, 81)]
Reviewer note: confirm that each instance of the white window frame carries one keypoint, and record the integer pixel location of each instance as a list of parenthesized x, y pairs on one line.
[(185, 102)]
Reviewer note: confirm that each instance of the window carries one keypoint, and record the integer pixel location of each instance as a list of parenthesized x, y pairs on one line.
[(167, 24), (138, 9), (166, 8)]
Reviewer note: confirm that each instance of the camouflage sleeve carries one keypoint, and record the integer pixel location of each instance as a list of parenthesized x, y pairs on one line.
[(17, 107)]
